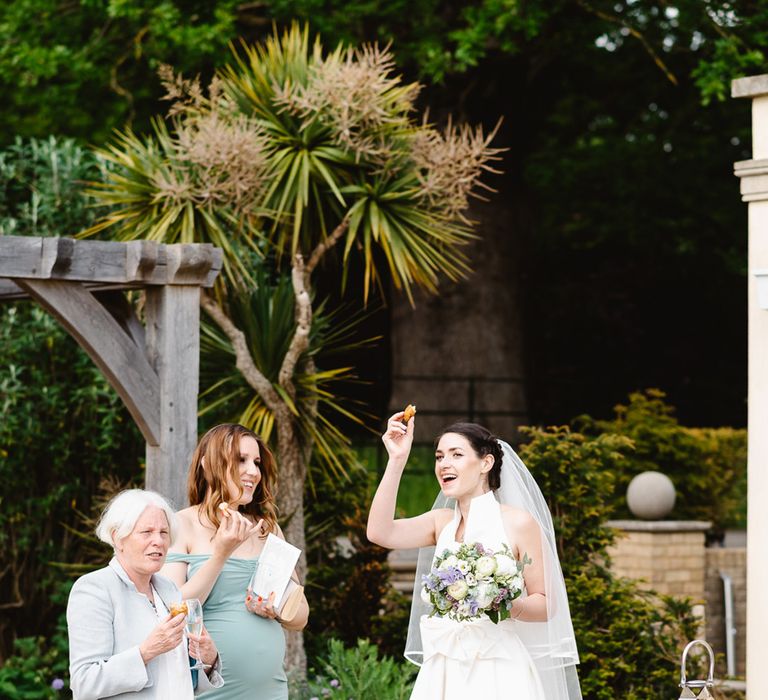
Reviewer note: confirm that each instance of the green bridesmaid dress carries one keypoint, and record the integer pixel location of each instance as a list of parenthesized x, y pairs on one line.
[(252, 648)]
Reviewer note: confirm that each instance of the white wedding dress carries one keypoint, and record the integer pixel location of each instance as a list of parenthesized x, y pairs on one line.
[(477, 659)]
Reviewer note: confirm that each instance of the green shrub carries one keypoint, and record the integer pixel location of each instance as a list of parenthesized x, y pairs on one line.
[(359, 673), (577, 475), (41, 187), (629, 641), (706, 465), (37, 670)]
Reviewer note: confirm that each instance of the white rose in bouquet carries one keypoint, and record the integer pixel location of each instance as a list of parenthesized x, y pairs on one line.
[(449, 562), (517, 583), (505, 566), (458, 590), (485, 566), (485, 594)]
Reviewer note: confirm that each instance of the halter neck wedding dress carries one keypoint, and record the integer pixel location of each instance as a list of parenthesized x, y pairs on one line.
[(475, 659)]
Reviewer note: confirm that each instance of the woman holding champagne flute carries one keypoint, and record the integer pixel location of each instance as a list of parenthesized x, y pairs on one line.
[(231, 488), (124, 639)]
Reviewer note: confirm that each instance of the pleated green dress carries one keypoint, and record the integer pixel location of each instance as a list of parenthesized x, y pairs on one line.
[(252, 648)]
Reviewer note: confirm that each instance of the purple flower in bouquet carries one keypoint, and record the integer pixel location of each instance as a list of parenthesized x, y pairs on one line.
[(449, 575)]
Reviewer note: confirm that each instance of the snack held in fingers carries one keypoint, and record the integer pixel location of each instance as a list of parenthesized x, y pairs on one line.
[(224, 508), (410, 412), (179, 608)]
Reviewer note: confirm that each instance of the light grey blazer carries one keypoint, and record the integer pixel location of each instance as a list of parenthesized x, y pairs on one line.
[(107, 620)]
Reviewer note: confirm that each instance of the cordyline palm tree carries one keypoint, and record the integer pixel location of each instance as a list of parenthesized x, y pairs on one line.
[(293, 154)]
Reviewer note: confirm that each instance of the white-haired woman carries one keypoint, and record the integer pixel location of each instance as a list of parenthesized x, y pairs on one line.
[(123, 641)]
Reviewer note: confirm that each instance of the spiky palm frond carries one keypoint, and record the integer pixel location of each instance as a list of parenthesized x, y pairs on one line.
[(265, 315), (418, 245), (150, 188), (307, 166)]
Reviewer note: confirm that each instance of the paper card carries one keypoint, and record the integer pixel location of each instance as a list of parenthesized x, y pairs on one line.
[(276, 564)]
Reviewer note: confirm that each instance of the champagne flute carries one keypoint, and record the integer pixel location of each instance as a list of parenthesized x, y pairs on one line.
[(194, 626)]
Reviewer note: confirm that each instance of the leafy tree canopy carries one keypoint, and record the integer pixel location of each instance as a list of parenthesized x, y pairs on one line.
[(82, 68), (58, 59)]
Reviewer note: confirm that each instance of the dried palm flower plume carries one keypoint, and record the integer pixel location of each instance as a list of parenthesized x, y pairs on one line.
[(356, 94), (450, 164)]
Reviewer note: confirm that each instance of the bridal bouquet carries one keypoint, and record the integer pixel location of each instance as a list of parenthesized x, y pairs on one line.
[(472, 581)]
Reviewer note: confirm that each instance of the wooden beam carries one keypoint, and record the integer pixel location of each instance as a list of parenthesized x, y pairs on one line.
[(10, 291), (137, 263), (124, 364), (173, 344)]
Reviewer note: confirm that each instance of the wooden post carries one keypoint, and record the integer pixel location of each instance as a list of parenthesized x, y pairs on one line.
[(173, 348), (754, 190)]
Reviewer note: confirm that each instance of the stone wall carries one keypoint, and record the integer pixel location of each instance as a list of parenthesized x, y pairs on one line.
[(458, 355), (670, 557), (666, 556)]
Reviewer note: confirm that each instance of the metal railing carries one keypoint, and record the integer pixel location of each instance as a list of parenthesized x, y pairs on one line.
[(468, 408)]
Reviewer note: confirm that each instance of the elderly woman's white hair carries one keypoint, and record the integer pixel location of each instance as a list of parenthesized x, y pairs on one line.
[(120, 516)]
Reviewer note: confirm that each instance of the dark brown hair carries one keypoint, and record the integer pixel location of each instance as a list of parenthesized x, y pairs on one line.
[(217, 456), (483, 442)]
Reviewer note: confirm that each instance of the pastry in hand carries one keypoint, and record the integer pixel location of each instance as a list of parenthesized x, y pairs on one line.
[(410, 412), (178, 609)]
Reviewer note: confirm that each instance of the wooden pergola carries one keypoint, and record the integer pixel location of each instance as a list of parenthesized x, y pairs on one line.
[(153, 366)]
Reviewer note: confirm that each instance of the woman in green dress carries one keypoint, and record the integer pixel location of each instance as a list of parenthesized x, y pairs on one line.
[(230, 486)]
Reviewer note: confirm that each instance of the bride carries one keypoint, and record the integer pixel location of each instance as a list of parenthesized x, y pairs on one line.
[(487, 495)]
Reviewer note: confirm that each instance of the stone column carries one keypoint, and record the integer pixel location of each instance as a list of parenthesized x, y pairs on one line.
[(754, 190)]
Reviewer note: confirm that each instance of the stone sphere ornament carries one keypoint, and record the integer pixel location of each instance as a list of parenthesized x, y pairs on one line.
[(651, 496)]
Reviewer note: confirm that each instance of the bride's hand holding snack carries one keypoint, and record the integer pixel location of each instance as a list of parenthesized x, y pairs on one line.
[(398, 436)]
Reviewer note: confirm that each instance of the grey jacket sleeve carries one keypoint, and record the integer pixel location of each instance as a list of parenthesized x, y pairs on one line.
[(95, 672), (207, 682)]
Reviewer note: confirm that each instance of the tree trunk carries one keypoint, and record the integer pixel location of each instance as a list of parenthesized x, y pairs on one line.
[(292, 470)]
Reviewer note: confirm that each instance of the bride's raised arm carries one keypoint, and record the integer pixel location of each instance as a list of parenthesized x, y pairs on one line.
[(383, 528)]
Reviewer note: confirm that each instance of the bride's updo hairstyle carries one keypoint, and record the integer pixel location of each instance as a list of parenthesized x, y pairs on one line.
[(484, 443)]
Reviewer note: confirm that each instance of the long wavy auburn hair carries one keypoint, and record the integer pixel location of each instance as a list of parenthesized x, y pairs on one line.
[(216, 457)]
